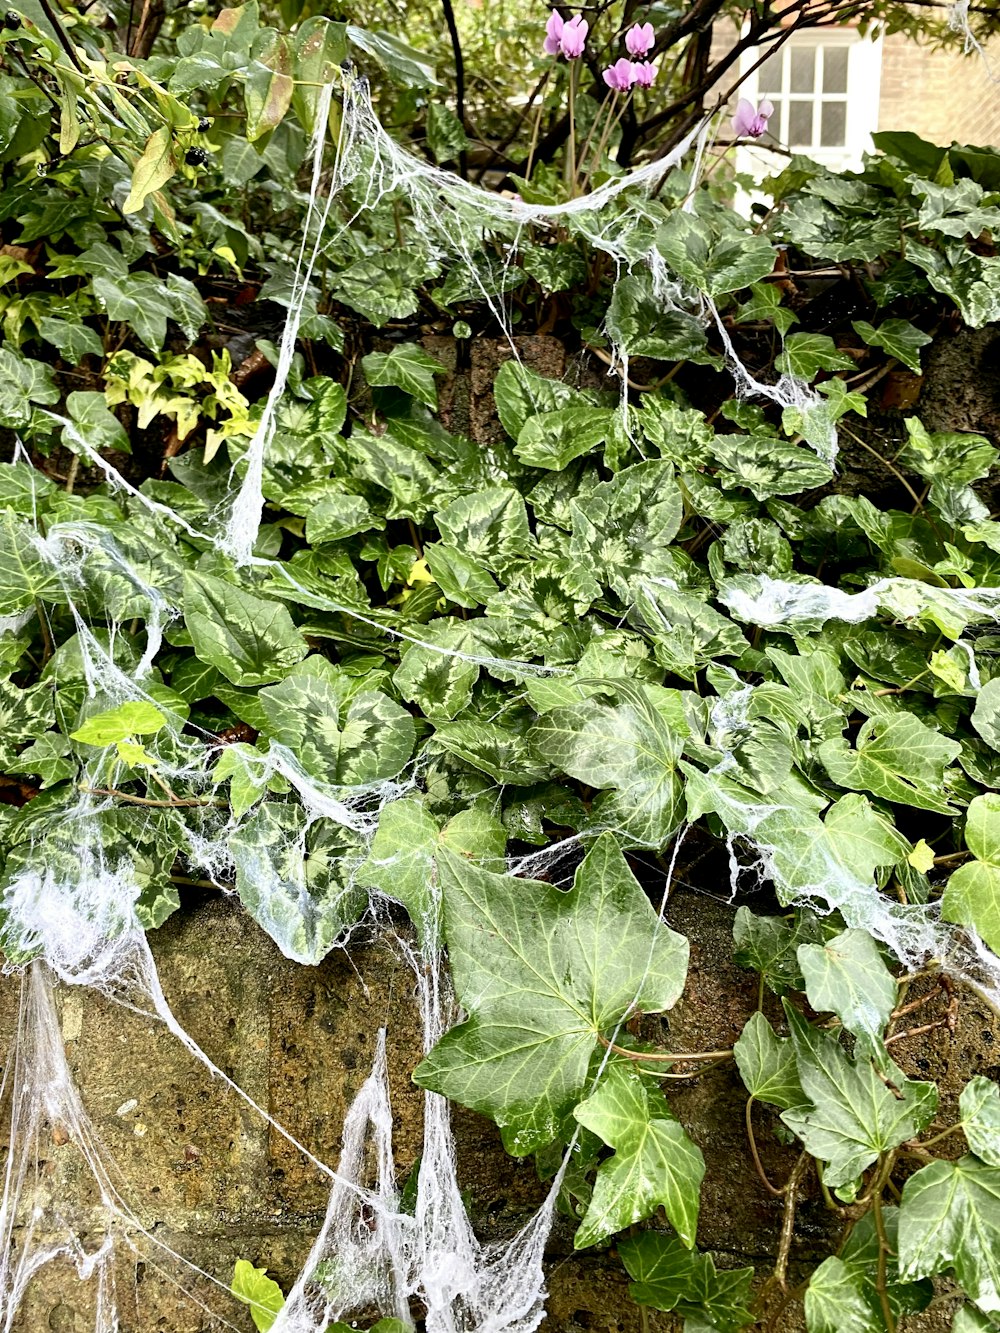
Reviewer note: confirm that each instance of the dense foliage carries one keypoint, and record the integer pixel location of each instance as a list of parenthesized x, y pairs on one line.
[(606, 625)]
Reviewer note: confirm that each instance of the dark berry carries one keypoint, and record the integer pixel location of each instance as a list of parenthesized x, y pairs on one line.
[(204, 124), (196, 157), (12, 20)]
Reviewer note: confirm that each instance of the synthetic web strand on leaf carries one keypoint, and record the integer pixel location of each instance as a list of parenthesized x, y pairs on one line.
[(459, 221)]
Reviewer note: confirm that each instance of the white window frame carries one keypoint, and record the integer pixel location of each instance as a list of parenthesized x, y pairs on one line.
[(864, 78)]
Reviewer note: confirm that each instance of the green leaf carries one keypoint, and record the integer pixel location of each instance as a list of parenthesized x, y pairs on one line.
[(846, 976), (403, 63), (897, 758), (835, 1303), (251, 640), (767, 1064), (320, 47), (26, 575), (406, 367), (628, 747), (294, 877), (713, 263), (460, 578), (986, 714), (972, 894), (95, 422), (487, 524), (542, 973), (520, 393), (854, 1117), (155, 167), (439, 678), (805, 354), (253, 1287), (623, 527), (136, 718), (979, 1104), (638, 323), (351, 742), (668, 1276), (553, 439), (655, 1163), (949, 1220), (898, 337), (768, 945), (446, 137), (767, 466), (687, 633), (267, 90)]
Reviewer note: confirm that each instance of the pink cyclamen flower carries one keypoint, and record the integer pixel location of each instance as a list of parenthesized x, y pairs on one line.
[(553, 33), (574, 37), (639, 39), (645, 73), (750, 123), (621, 75)]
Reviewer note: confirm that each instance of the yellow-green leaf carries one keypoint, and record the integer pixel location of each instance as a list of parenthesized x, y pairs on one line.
[(153, 170)]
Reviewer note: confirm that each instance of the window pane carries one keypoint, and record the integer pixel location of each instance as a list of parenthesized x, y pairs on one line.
[(769, 75), (800, 124), (834, 127), (835, 69), (803, 69)]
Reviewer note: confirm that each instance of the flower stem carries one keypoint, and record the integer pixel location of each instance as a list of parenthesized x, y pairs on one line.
[(571, 147)]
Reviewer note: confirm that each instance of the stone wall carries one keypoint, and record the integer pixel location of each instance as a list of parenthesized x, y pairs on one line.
[(214, 1182)]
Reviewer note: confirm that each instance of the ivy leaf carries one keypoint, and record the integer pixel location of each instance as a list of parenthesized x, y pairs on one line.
[(835, 1304), (767, 1064), (542, 973), (655, 1163), (349, 741), (986, 714), (768, 945), (252, 641), (846, 976), (668, 1276), (805, 354), (628, 746), (408, 838), (253, 1287), (972, 894), (897, 758), (898, 337), (403, 63), (406, 367), (950, 1220), (979, 1104), (95, 422), (854, 1117)]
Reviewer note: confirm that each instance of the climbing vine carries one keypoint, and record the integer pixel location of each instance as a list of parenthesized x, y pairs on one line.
[(508, 683)]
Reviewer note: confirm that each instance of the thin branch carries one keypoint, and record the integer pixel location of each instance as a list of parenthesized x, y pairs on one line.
[(758, 1164), (456, 46)]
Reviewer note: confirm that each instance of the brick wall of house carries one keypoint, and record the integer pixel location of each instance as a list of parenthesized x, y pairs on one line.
[(940, 95)]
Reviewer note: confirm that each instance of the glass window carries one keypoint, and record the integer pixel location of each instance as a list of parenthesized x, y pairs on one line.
[(800, 124), (803, 69), (835, 69), (833, 129)]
